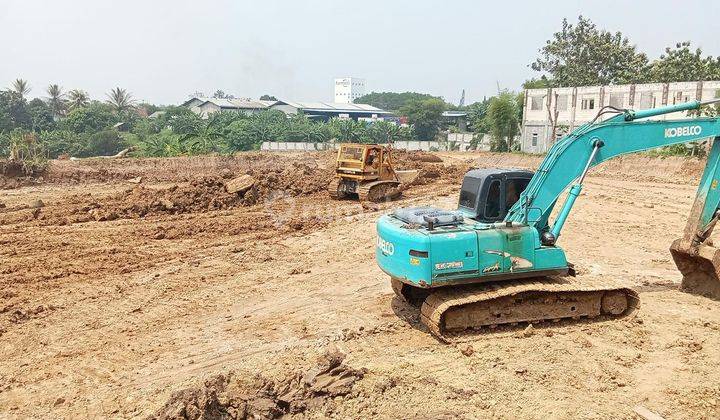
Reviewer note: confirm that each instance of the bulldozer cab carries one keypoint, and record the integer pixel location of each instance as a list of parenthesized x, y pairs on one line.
[(364, 162)]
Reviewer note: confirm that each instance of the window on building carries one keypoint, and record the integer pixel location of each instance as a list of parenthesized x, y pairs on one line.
[(680, 97), (536, 103), (617, 100), (647, 100), (588, 103), (562, 102), (534, 139)]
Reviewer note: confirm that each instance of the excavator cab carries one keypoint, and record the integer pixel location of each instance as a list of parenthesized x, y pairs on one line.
[(486, 195)]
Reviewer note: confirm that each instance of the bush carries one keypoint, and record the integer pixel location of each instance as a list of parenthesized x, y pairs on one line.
[(26, 156), (104, 143), (61, 142), (162, 144)]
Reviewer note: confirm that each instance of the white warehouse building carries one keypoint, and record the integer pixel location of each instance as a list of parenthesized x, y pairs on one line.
[(347, 89), (574, 106)]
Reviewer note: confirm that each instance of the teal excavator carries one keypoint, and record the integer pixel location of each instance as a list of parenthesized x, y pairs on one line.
[(495, 260)]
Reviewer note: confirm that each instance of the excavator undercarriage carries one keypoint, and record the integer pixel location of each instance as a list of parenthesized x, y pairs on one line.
[(450, 312)]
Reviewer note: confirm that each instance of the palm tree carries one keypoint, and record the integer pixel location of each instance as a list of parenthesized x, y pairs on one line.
[(56, 100), (78, 98), (120, 99), (21, 86)]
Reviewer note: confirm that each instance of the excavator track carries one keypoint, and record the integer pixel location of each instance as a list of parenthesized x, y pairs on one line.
[(377, 191), (449, 313)]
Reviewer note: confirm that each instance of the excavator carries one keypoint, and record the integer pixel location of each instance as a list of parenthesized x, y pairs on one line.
[(495, 260)]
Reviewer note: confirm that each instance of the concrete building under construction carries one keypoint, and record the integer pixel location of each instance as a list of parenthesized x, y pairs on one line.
[(560, 110)]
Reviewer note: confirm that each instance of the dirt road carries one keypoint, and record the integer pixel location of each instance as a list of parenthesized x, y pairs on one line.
[(116, 296)]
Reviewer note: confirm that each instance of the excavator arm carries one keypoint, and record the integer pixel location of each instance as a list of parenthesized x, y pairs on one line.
[(569, 160)]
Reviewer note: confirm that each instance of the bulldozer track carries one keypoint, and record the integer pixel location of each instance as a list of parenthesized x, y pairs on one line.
[(379, 191), (517, 300), (333, 188)]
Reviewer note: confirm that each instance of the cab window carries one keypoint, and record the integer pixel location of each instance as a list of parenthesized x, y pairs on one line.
[(492, 202), (351, 153), (468, 192), (513, 188)]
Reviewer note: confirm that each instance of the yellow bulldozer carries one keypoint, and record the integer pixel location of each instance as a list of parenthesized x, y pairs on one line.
[(366, 172)]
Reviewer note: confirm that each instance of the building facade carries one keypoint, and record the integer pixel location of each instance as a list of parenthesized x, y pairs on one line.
[(563, 109), (347, 89)]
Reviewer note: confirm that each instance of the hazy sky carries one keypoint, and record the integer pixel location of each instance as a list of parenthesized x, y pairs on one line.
[(163, 50)]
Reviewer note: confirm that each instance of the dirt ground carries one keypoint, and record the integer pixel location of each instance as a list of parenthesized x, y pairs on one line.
[(140, 288)]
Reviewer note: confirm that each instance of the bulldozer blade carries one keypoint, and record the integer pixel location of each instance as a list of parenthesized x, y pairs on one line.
[(407, 176), (700, 268)]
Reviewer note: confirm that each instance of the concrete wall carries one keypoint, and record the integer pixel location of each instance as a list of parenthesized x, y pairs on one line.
[(575, 106), (284, 146), (462, 143)]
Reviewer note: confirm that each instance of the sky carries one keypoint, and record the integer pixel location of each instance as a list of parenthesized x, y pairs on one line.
[(164, 50)]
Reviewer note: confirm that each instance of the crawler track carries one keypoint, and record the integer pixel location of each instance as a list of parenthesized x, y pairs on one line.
[(333, 189), (448, 313), (379, 191)]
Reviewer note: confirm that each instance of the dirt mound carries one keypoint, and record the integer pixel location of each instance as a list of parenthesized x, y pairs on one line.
[(416, 156), (176, 169), (450, 173), (239, 396), (199, 195)]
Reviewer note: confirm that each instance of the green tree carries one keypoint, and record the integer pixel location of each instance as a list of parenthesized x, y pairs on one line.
[(476, 115), (540, 83), (268, 98), (682, 64), (392, 101), (103, 143), (13, 112), (387, 132), (21, 87), (58, 142), (78, 99), (502, 121), (163, 144), (90, 119), (219, 94), (42, 117), (120, 100), (56, 100), (582, 54), (347, 130), (425, 116)]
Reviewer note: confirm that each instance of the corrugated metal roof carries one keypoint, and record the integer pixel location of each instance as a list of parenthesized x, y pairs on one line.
[(237, 103), (308, 106), (334, 107)]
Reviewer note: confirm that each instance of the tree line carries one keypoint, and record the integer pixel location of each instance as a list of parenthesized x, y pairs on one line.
[(72, 124)]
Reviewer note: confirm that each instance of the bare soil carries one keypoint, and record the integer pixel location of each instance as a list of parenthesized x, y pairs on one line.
[(168, 297)]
